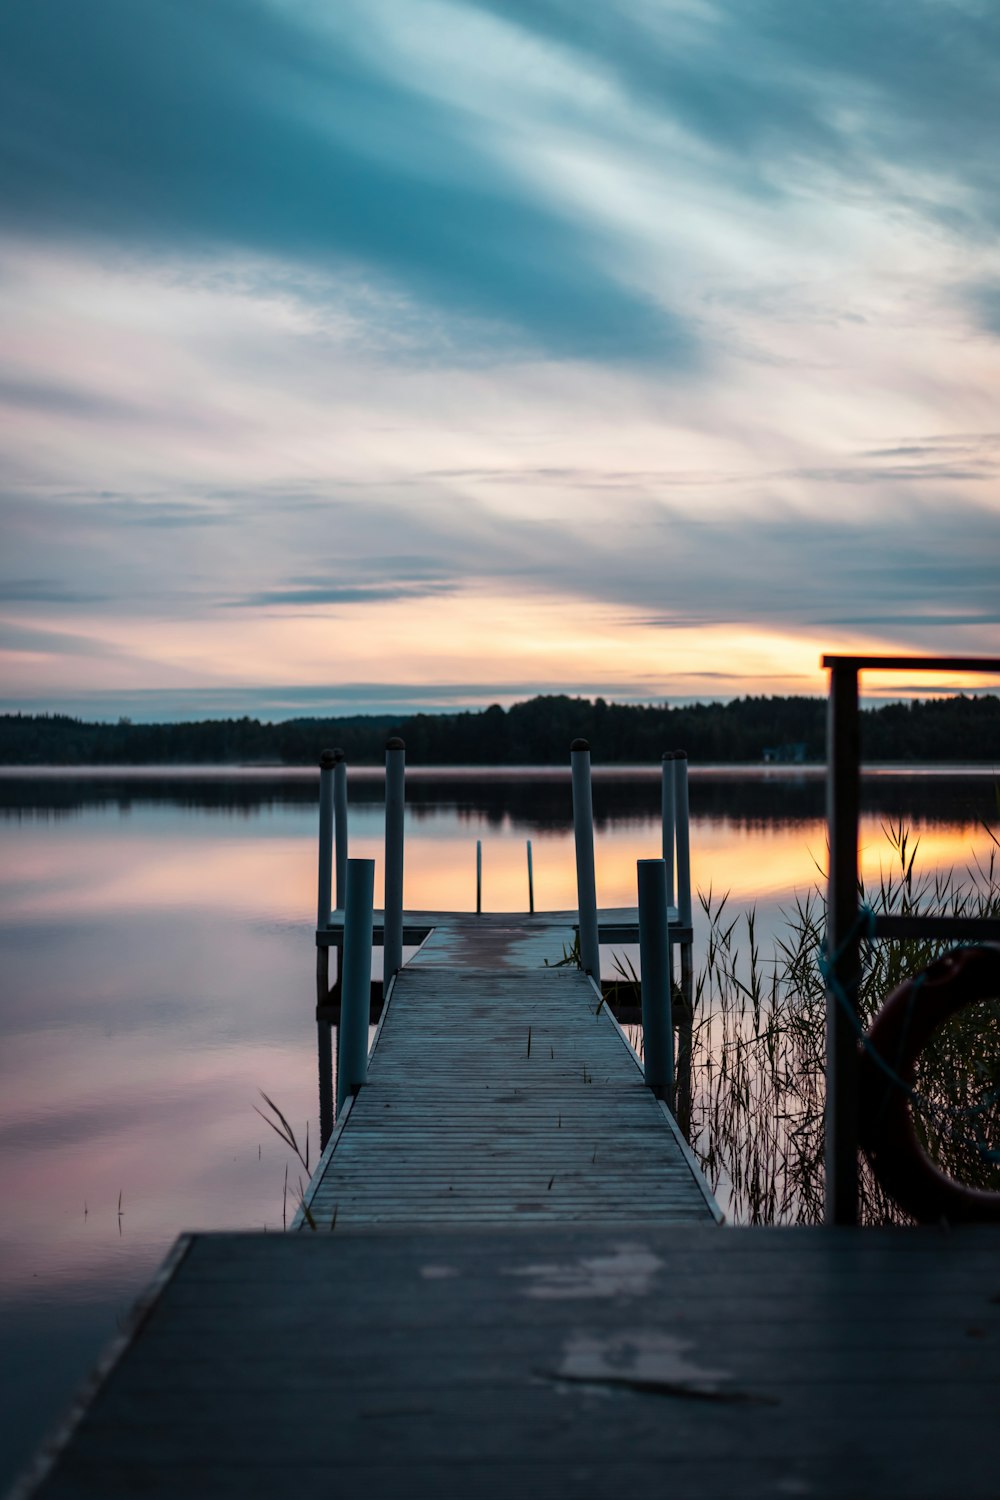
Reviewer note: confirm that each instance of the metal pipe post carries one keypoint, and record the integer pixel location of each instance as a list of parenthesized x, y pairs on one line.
[(356, 988), (656, 978), (668, 818), (340, 822), (479, 877), (683, 824), (531, 881), (586, 884), (843, 947), (327, 761), (395, 795)]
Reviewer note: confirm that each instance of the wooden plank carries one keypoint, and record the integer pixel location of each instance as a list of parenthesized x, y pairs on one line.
[(616, 924), (559, 1362)]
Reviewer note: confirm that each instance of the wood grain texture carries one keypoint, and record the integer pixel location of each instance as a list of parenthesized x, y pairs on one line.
[(501, 1091), (558, 1362)]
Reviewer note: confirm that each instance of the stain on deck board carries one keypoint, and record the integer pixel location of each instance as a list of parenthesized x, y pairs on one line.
[(559, 1362)]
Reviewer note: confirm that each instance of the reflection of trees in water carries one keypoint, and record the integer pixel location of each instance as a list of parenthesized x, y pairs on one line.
[(521, 801)]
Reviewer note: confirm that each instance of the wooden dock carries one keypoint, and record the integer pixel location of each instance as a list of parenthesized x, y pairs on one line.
[(526, 1293), (500, 1089)]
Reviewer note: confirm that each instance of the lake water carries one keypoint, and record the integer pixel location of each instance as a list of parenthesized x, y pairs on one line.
[(157, 961)]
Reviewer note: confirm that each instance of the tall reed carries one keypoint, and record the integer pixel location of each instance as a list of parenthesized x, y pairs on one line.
[(758, 1044)]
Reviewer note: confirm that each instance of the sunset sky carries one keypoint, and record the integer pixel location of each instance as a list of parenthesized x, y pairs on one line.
[(394, 353)]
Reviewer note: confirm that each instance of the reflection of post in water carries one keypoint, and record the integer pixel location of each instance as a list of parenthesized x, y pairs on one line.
[(684, 1019), (327, 1009), (324, 1051)]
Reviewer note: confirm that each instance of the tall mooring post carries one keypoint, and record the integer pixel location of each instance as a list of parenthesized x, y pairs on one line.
[(677, 857), (586, 884), (668, 819), (327, 762), (340, 824), (683, 826), (356, 988), (395, 797), (656, 978), (843, 946), (332, 793)]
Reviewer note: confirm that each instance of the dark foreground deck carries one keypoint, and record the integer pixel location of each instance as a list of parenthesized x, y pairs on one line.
[(684, 1361)]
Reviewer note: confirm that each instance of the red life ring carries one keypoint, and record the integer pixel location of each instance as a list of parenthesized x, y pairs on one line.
[(898, 1035)]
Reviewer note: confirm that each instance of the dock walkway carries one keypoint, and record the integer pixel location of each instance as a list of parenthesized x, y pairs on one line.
[(501, 1090)]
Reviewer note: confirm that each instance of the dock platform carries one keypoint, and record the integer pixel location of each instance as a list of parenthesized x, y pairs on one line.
[(682, 1360), (501, 1089)]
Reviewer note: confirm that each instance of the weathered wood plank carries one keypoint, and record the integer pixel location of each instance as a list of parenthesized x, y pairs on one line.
[(577, 1363)]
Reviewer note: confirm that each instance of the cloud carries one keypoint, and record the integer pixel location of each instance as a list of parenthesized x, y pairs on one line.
[(57, 400), (34, 642), (323, 594), (983, 300), (198, 126), (42, 591), (859, 92)]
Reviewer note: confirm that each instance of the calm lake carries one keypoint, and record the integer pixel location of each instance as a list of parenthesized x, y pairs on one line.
[(156, 948)]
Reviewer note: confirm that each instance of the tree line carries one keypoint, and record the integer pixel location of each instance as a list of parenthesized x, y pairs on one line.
[(536, 732)]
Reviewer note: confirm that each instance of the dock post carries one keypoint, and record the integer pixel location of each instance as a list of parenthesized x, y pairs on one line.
[(683, 826), (684, 912), (656, 978), (586, 885), (340, 823), (668, 819), (356, 988), (842, 947), (327, 762), (392, 940), (479, 877), (531, 881)]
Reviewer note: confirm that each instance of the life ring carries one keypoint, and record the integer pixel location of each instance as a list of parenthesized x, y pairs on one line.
[(897, 1036)]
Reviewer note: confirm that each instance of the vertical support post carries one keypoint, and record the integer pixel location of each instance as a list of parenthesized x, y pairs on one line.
[(586, 884), (668, 819), (327, 761), (392, 940), (843, 947), (356, 988), (531, 881), (479, 877), (656, 978), (324, 872), (340, 823), (683, 825)]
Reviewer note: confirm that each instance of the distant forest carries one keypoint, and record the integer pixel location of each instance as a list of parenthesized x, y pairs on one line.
[(537, 732)]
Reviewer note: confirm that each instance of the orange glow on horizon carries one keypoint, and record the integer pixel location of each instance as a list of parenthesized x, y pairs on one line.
[(472, 636)]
